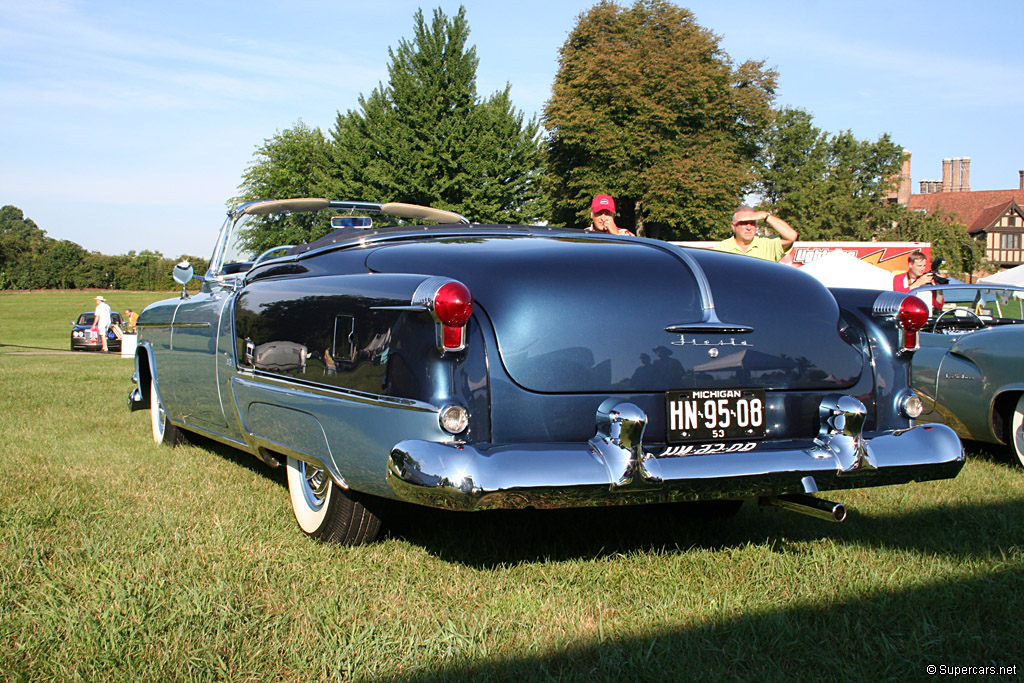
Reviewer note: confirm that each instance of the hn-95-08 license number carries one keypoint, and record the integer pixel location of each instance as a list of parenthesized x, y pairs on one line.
[(714, 414)]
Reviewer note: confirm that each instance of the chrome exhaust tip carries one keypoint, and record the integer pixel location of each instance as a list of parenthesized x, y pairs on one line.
[(808, 505)]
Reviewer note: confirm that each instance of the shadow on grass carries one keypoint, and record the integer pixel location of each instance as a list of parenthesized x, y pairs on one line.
[(889, 635), (250, 462), (997, 454), (489, 539), (504, 537)]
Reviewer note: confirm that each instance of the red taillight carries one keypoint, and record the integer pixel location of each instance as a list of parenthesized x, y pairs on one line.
[(913, 315), (453, 306)]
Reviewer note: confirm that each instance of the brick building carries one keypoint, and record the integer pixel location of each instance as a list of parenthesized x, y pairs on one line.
[(994, 216)]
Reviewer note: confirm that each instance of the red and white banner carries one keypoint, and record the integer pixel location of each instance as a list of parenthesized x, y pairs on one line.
[(891, 256)]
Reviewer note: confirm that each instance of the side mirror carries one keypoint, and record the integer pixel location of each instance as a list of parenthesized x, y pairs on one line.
[(183, 274)]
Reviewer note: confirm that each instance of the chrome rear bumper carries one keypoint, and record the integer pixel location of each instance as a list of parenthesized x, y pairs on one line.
[(612, 468)]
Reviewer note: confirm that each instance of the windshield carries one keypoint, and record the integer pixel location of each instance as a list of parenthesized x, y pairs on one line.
[(262, 230), (87, 318), (993, 302), (956, 309)]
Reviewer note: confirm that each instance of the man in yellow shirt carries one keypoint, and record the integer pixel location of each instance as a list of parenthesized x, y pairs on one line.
[(746, 241)]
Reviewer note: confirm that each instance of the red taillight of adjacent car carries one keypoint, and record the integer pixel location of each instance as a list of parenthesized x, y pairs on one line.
[(912, 316), (453, 306)]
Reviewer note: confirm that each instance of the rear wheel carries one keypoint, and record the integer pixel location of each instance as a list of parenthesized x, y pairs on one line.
[(324, 510), (163, 431), (1017, 431)]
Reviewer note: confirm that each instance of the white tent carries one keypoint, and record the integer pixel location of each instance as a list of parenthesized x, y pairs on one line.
[(1013, 276), (840, 269)]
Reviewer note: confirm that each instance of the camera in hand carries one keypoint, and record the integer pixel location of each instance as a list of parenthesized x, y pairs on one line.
[(934, 272)]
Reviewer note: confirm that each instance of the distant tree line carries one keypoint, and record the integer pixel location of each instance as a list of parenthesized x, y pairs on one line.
[(31, 260)]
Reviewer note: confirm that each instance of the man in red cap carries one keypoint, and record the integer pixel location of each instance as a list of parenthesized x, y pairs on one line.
[(602, 216)]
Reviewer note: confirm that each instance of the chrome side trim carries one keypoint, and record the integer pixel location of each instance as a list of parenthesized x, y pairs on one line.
[(613, 469), (179, 326), (267, 448), (215, 436), (298, 389), (172, 325), (709, 327), (411, 307)]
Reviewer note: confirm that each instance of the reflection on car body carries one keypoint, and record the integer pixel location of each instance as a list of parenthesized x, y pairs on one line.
[(472, 367), (279, 356)]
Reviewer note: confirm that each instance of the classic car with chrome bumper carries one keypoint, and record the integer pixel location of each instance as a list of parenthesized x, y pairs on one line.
[(613, 467), (472, 367)]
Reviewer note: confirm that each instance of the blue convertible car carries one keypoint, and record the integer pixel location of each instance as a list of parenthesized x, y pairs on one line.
[(471, 367)]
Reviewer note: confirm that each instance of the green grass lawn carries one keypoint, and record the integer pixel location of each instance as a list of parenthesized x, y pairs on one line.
[(123, 561)]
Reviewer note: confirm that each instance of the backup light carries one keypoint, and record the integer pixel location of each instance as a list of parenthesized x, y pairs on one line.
[(912, 406), (454, 419)]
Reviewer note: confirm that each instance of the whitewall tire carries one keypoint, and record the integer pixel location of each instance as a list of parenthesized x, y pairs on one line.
[(1017, 431), (163, 431), (324, 510)]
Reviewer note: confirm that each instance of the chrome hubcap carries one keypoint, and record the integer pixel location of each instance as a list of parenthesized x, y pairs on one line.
[(317, 483)]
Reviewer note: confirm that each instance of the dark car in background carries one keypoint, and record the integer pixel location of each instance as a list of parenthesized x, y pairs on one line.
[(471, 367), (85, 337)]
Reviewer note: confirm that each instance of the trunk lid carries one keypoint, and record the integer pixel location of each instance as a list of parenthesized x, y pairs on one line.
[(583, 315)]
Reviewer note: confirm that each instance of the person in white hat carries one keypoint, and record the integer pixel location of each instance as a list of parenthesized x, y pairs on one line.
[(101, 319)]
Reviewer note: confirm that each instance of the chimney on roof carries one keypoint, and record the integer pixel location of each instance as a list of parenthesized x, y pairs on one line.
[(904, 190), (924, 183), (965, 174), (947, 175), (954, 185), (1021, 173)]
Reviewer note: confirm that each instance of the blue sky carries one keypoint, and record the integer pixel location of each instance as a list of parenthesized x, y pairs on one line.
[(128, 125)]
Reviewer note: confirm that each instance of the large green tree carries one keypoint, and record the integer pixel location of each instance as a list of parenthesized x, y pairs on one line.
[(836, 187), (290, 164), (648, 108), (293, 163), (427, 138), (827, 186)]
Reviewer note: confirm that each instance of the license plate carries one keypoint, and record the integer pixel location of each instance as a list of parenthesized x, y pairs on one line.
[(714, 414)]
